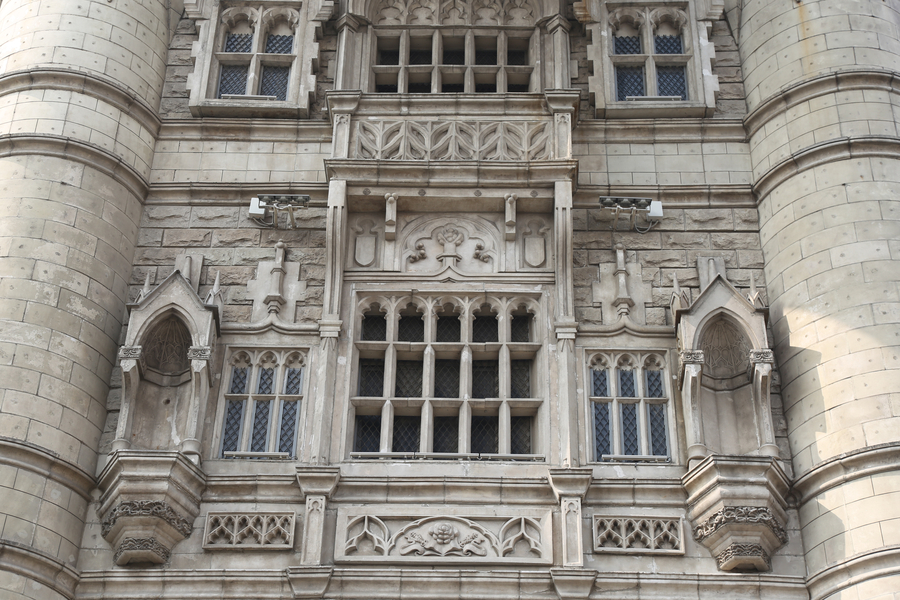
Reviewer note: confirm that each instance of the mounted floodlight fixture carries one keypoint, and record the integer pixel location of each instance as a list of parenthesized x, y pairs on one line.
[(266, 209), (624, 206)]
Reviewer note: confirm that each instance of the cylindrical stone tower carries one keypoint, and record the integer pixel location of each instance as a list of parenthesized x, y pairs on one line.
[(79, 94), (824, 99)]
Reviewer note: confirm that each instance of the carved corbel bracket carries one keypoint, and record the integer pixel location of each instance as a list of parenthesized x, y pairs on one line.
[(308, 582), (570, 486), (510, 220), (317, 484), (390, 216), (573, 584)]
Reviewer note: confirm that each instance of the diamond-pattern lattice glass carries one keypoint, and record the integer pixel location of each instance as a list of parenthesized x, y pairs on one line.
[(599, 383), (484, 329), (288, 427), (630, 44), (446, 434), (626, 383), (629, 82), (485, 379), (447, 329), (266, 381), (667, 44), (520, 378), (654, 384), (602, 437), (368, 433), (485, 435), (411, 329), (520, 435), (671, 81), (279, 44), (371, 377), (374, 328), (406, 434), (260, 431), (233, 80), (274, 82), (238, 380), (239, 42), (659, 445), (231, 433), (292, 381), (519, 328), (446, 378), (409, 379), (630, 441)]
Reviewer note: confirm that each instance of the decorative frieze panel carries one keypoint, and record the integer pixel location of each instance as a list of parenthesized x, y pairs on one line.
[(523, 538), (636, 535), (260, 531), (453, 140), (456, 12)]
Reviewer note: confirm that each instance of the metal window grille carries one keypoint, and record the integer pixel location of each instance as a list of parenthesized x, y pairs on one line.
[(654, 384), (626, 383), (446, 434), (367, 437), (486, 88), (419, 87), (630, 441), (293, 381), (629, 82), (420, 57), (448, 329), (486, 57), (659, 445), (288, 426), (485, 379), (233, 80), (411, 329), (484, 329), (485, 435), (520, 378), (274, 81), (238, 380), (457, 57), (671, 81), (517, 87), (371, 377), (602, 438), (386, 88), (520, 435), (231, 434), (516, 57), (266, 381), (627, 44), (667, 44), (520, 328), (239, 42), (260, 431), (374, 328), (409, 379), (279, 44), (406, 434), (599, 383), (446, 378), (453, 88), (388, 57)]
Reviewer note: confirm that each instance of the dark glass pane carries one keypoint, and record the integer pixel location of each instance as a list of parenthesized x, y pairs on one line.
[(453, 88), (446, 434), (520, 328), (520, 378), (517, 87), (485, 57), (238, 380), (667, 44), (411, 329), (517, 57), (671, 81), (388, 57), (486, 88), (446, 378), (520, 435), (406, 434), (601, 430), (292, 381), (266, 381), (420, 57), (386, 88), (260, 426), (630, 443), (416, 87), (274, 82), (280, 44), (409, 379), (629, 82), (288, 427), (485, 435), (371, 377), (368, 433), (233, 80), (628, 44), (485, 379), (239, 42), (626, 383), (374, 328), (599, 384), (231, 433), (484, 329), (658, 439), (458, 57), (654, 384), (448, 329)]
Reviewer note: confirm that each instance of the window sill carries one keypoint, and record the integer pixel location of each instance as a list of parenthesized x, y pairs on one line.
[(608, 458), (259, 455), (646, 107), (242, 106), (445, 456)]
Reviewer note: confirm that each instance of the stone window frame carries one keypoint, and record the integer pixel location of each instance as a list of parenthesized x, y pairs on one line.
[(638, 362), (504, 407), (255, 359)]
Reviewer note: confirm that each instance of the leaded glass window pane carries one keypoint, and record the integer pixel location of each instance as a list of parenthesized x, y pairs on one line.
[(374, 328), (599, 383), (630, 440), (231, 434), (485, 435), (654, 384), (409, 379), (520, 328), (274, 82), (371, 377), (484, 329), (266, 382), (279, 44), (520, 435), (667, 44), (602, 436), (630, 44), (520, 378), (446, 434), (238, 380), (368, 433), (659, 445), (406, 434), (260, 432), (233, 80), (288, 426), (626, 383), (239, 42), (446, 378), (292, 381), (485, 379), (411, 329), (629, 82), (448, 329), (671, 81)]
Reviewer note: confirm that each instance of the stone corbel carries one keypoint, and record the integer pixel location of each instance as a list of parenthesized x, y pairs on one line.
[(563, 104), (570, 486), (390, 216), (130, 361), (317, 484), (762, 363), (340, 105), (510, 221), (309, 582), (573, 584), (689, 381)]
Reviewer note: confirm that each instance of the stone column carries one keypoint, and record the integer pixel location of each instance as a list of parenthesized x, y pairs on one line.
[(821, 81), (80, 88)]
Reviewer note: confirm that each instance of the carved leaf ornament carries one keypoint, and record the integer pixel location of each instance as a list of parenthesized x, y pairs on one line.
[(521, 13)]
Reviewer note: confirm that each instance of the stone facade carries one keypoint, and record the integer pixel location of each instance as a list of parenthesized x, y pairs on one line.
[(471, 299)]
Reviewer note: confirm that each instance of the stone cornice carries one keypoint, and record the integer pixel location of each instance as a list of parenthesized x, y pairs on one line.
[(38, 566), (192, 193), (853, 571), (824, 153), (726, 195), (89, 84), (819, 86), (32, 458), (243, 131), (656, 131), (83, 152), (846, 468), (452, 173)]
